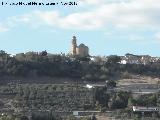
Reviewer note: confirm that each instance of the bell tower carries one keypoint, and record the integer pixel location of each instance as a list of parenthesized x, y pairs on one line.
[(74, 45)]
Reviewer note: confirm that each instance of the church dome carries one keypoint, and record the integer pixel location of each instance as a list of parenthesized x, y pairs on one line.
[(81, 45)]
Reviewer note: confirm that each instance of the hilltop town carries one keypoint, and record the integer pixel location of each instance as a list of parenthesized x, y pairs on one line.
[(78, 86), (83, 51)]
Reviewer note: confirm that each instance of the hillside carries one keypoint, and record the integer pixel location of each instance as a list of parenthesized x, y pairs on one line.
[(34, 65)]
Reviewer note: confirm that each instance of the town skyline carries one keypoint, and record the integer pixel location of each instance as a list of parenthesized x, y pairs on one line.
[(69, 51)]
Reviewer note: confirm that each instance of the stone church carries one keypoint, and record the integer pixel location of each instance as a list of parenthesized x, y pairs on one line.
[(80, 51)]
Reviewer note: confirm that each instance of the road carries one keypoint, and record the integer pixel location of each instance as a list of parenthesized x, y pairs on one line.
[(139, 88), (134, 88)]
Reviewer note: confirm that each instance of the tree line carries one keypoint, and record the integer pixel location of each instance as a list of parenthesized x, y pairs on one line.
[(33, 64)]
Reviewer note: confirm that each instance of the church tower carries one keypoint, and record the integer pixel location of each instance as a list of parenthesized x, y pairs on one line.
[(74, 45)]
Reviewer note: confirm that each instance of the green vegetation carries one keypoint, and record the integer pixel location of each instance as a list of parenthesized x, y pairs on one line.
[(33, 64), (145, 100), (67, 98), (12, 117), (49, 97)]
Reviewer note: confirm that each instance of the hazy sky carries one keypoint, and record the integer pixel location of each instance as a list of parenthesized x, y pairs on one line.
[(105, 26)]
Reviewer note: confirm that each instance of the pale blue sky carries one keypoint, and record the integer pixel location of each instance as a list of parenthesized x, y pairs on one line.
[(105, 26)]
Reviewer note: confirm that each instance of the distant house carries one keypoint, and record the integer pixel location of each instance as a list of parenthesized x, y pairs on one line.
[(145, 109), (155, 59), (136, 59), (130, 59), (146, 59), (99, 59), (123, 61)]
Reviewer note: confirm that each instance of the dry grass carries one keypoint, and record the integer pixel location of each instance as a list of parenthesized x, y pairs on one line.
[(140, 80)]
